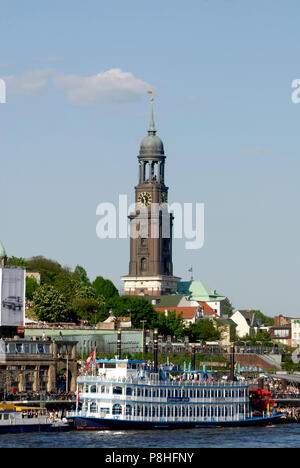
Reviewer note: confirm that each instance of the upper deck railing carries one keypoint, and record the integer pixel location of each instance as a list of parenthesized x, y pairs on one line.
[(156, 382)]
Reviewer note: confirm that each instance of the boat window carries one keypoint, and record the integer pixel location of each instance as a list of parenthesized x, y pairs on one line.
[(117, 390), (93, 389), (93, 407), (104, 410), (128, 391), (145, 392), (103, 389), (128, 410), (117, 409)]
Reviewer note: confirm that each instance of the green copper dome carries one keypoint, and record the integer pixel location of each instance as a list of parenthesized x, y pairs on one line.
[(152, 145)]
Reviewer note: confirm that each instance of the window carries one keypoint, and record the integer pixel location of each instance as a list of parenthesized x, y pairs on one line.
[(93, 407), (128, 410), (117, 409), (143, 264), (117, 390), (128, 391)]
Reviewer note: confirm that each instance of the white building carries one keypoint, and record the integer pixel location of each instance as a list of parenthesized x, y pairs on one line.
[(295, 332), (245, 322)]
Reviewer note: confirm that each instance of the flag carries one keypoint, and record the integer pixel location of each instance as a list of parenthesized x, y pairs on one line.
[(90, 359)]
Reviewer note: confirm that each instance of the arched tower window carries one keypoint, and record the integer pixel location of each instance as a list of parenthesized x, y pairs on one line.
[(143, 264)]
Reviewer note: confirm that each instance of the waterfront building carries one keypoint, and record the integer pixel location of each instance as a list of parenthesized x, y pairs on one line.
[(281, 334), (295, 332), (245, 321), (35, 365), (89, 338), (197, 293)]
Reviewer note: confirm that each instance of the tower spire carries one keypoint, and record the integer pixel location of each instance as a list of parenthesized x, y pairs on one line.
[(152, 129)]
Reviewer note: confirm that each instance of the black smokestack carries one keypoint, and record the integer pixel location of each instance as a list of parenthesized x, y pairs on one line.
[(155, 342), (119, 344), (193, 363)]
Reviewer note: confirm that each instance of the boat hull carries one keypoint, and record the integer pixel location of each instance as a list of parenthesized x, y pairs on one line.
[(82, 423), (23, 428)]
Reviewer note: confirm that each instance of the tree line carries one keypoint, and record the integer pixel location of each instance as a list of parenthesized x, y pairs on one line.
[(65, 295)]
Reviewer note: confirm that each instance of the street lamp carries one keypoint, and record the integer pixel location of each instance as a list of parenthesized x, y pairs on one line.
[(144, 338)]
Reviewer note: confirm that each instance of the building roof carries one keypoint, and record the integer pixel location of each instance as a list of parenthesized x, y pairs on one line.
[(207, 310), (165, 301), (198, 291), (187, 313)]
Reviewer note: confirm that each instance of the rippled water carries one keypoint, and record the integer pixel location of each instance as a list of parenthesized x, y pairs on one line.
[(287, 436)]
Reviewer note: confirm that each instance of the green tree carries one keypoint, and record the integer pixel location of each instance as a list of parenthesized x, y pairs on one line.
[(66, 285), (263, 318), (17, 262), (31, 287), (170, 324), (49, 305), (81, 276), (104, 288), (261, 338), (49, 269), (203, 330), (138, 308)]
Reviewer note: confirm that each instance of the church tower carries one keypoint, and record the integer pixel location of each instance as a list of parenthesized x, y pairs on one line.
[(151, 224)]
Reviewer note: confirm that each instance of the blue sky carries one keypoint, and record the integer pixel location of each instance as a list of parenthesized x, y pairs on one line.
[(77, 76)]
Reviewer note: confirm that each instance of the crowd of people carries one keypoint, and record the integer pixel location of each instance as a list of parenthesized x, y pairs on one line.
[(38, 396)]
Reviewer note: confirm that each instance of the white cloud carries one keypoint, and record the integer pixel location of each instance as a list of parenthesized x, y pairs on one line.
[(29, 83), (112, 86)]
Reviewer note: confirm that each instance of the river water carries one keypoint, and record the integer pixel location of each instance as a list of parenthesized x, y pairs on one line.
[(286, 436)]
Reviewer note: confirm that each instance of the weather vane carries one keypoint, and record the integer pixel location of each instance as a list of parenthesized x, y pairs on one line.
[(151, 93)]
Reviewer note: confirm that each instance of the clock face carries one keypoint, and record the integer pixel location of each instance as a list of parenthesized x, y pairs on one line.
[(145, 198)]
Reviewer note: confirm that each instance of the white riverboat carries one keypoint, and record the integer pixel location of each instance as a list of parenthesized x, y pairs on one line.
[(125, 394)]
